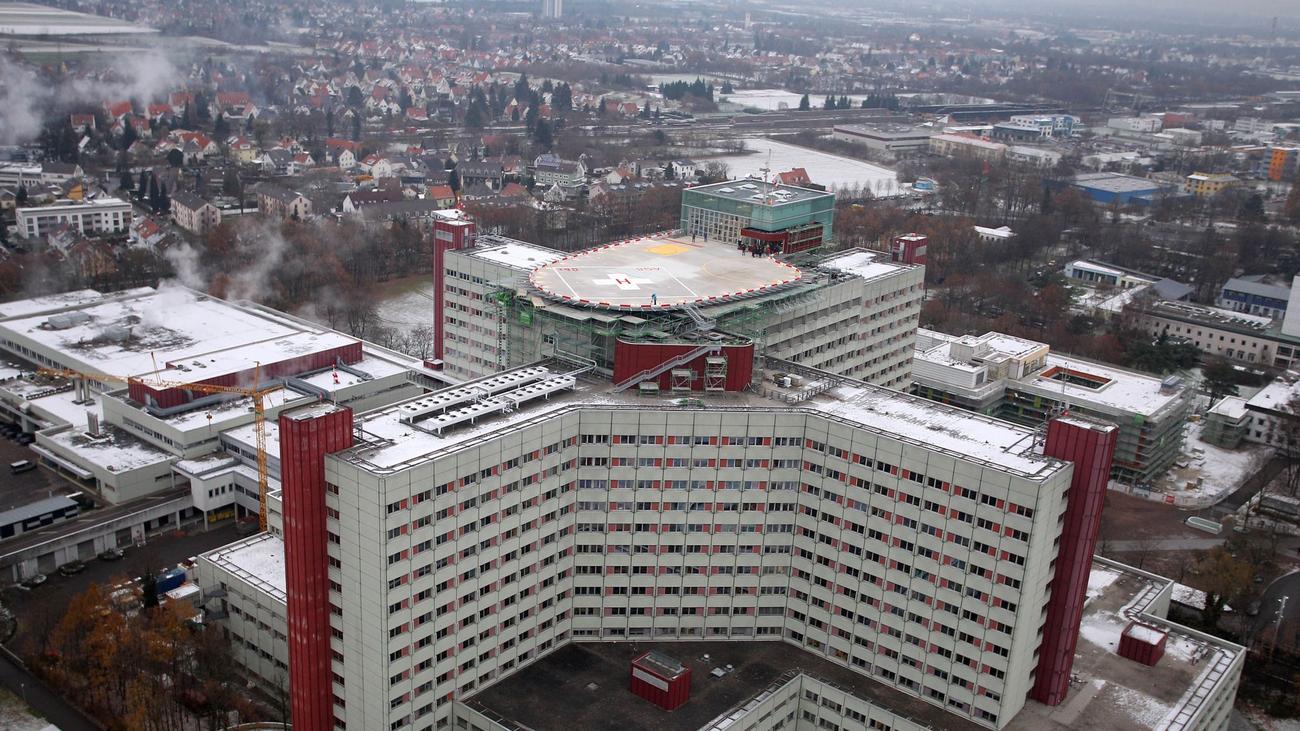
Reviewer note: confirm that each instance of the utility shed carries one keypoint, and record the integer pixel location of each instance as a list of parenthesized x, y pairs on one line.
[(661, 679)]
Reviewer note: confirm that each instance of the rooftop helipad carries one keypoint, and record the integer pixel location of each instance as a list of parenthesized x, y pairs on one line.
[(660, 273)]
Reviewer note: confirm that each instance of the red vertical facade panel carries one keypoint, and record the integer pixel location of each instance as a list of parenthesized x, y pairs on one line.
[(447, 236), (1091, 447), (306, 436)]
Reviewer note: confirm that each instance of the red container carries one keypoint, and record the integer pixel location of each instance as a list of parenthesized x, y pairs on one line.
[(1143, 643), (660, 679)]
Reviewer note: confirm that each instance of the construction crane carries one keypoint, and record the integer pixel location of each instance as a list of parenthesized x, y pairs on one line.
[(255, 392)]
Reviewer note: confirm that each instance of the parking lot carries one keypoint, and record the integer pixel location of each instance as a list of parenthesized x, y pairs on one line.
[(19, 490), (38, 609)]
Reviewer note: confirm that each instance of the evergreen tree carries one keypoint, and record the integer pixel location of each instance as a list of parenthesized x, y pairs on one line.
[(804, 104), (142, 188), (830, 102), (542, 134), (129, 135), (149, 587), (727, 88), (20, 195), (1220, 379), (522, 89), (356, 127), (844, 102), (221, 128), (329, 122), (473, 118)]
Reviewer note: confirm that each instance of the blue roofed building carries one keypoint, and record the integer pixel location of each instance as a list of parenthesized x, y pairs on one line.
[(1107, 188), (1255, 294)]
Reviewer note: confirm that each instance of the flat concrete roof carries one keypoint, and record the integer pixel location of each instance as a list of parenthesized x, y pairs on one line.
[(759, 192), (1113, 693), (446, 420), (559, 686), (660, 273)]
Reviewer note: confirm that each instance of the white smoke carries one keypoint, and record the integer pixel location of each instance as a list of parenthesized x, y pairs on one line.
[(268, 250), (189, 271), (20, 112), (25, 97), (161, 310)]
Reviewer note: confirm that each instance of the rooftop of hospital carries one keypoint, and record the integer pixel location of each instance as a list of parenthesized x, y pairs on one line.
[(663, 272), (441, 422), (759, 192)]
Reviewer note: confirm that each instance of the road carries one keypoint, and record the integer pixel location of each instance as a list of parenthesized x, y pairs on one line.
[(46, 702), (1165, 544), (1282, 597), (1252, 485)]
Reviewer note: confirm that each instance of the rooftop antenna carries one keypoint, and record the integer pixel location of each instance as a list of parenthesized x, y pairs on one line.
[(766, 170)]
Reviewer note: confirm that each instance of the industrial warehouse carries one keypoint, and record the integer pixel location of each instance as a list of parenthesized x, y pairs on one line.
[(133, 394)]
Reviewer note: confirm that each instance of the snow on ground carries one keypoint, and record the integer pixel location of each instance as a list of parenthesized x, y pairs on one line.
[(774, 99), (409, 310), (1102, 629), (836, 172), (15, 716), (1098, 580), (1140, 706), (1220, 470)]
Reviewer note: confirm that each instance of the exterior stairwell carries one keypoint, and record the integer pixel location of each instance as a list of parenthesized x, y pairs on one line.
[(666, 366)]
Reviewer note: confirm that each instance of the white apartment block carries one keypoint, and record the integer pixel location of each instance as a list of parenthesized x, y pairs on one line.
[(97, 216)]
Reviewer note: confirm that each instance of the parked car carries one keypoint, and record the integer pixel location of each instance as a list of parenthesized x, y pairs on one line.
[(35, 580), (72, 567), (21, 466), (112, 554)]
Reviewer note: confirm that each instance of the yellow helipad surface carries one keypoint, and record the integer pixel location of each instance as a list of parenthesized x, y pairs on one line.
[(660, 273)]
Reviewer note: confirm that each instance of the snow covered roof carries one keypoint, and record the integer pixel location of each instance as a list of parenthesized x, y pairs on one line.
[(517, 255), (396, 440), (865, 264), (259, 560), (1122, 390), (1276, 396), (1118, 694)]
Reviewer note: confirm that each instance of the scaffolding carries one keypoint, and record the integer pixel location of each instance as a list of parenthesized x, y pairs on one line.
[(715, 373)]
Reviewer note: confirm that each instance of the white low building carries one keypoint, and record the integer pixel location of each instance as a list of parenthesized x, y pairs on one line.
[(96, 216)]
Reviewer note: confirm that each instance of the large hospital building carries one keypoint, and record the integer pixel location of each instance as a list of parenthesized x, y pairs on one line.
[(432, 562), (711, 288)]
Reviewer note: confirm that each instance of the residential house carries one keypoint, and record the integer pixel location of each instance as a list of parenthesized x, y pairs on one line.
[(193, 213), (549, 169), (684, 169), (146, 232), (795, 176), (242, 149), (358, 198), (277, 202), (487, 173)]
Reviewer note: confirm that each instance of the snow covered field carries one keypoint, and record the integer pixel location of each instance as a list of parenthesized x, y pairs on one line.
[(775, 99), (836, 172), (1220, 470)]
